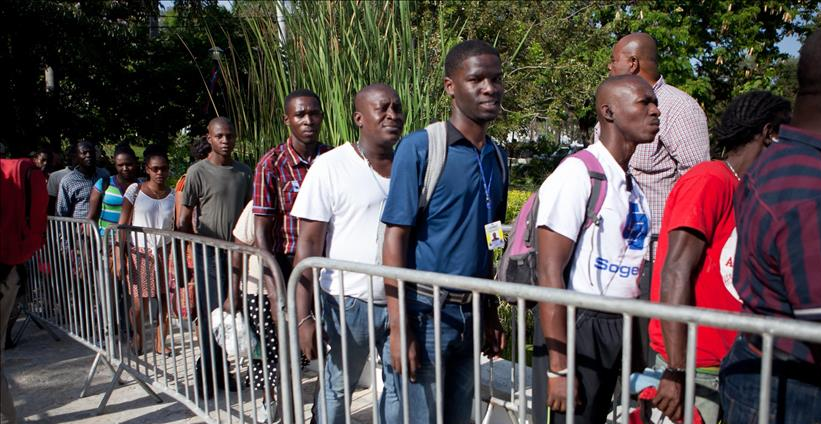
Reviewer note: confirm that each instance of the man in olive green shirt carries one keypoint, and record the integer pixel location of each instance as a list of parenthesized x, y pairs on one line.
[(220, 187)]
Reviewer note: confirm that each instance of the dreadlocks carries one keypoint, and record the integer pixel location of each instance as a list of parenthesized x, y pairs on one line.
[(746, 116)]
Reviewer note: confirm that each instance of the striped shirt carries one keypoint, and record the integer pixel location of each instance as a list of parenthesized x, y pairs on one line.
[(778, 216), (112, 202), (279, 174), (682, 142), (75, 192)]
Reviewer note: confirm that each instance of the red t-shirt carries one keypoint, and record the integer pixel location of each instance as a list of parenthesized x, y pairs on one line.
[(702, 200)]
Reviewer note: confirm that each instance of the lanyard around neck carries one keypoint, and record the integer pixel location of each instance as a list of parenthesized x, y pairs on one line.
[(486, 183)]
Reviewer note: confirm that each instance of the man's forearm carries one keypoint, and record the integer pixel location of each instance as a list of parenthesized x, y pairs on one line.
[(675, 291), (393, 254), (263, 232)]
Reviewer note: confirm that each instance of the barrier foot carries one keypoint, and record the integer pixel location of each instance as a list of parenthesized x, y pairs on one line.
[(113, 385), (93, 371), (39, 323)]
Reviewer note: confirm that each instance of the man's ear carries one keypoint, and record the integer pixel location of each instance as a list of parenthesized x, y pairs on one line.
[(449, 87), (607, 112), (357, 119), (285, 118), (635, 65)]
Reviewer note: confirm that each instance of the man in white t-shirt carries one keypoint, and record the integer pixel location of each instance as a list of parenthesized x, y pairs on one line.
[(339, 206), (603, 259)]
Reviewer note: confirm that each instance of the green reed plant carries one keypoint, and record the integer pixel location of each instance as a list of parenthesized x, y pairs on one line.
[(334, 49)]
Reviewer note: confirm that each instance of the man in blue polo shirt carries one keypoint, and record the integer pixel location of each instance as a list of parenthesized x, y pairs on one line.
[(448, 235)]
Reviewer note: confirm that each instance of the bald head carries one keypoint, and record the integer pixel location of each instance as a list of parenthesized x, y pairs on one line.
[(627, 110), (372, 89), (379, 116), (635, 54), (809, 78), (222, 121)]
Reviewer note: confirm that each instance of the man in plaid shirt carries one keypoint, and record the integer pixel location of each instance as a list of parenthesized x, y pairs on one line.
[(682, 142), (279, 175)]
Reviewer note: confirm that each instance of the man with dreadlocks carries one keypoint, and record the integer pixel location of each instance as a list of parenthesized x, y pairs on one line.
[(778, 205), (696, 249)]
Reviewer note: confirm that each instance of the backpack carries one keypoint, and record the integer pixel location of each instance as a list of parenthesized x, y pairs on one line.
[(519, 260), (23, 213), (437, 155)]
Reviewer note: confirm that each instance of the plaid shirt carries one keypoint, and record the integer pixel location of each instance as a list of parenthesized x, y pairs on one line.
[(75, 192), (279, 175), (778, 258), (682, 142)]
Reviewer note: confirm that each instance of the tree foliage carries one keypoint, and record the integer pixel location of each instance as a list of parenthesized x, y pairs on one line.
[(122, 73)]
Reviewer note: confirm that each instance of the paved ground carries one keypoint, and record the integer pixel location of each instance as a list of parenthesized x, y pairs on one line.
[(46, 377)]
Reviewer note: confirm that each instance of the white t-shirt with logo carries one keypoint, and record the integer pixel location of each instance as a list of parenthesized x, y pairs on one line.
[(342, 190), (608, 255)]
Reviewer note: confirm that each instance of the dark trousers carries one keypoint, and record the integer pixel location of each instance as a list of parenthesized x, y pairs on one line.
[(211, 291), (286, 265), (645, 354), (598, 365)]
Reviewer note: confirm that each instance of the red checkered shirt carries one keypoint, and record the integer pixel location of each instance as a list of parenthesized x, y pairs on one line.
[(278, 177), (682, 142)]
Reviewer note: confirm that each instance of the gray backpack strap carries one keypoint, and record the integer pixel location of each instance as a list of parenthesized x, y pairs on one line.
[(437, 153)]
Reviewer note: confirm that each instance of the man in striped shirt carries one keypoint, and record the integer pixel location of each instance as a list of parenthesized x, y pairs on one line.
[(279, 175), (778, 261), (682, 142)]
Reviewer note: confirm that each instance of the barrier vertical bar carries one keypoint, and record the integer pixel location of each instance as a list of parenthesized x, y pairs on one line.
[(766, 378), (477, 354), (571, 364), (224, 363), (521, 322), (690, 376), (320, 347), (626, 355), (403, 345), (372, 350), (343, 334), (437, 343)]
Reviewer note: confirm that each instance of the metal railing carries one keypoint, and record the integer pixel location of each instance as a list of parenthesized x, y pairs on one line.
[(767, 327), (186, 360), (65, 290), (87, 289)]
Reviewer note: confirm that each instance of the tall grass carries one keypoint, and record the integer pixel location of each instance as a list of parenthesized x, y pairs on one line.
[(334, 49)]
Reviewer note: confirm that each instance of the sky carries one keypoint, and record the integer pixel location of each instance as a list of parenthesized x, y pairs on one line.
[(790, 45)]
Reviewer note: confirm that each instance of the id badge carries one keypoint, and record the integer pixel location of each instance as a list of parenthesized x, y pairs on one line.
[(494, 235)]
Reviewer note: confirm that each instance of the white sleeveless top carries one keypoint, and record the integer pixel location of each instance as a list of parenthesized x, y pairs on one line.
[(150, 213)]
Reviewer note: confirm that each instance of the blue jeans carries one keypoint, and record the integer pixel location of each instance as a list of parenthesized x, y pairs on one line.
[(357, 339), (457, 365), (795, 392)]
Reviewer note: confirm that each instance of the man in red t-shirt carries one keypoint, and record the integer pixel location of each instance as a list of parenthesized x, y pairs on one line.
[(696, 250)]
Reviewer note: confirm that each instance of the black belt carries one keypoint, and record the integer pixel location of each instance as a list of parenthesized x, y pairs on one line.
[(459, 298)]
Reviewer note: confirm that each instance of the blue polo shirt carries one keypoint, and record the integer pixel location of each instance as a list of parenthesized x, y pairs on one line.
[(449, 235)]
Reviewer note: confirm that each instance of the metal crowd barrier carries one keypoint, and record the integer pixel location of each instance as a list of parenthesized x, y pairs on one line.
[(86, 289), (194, 275), (768, 328), (66, 292)]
